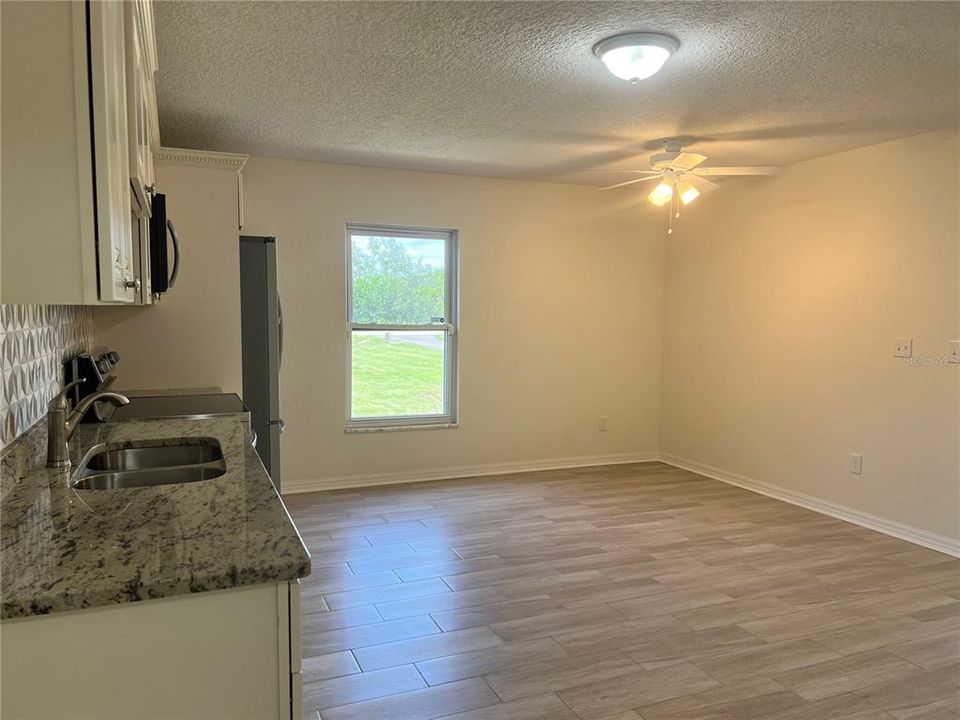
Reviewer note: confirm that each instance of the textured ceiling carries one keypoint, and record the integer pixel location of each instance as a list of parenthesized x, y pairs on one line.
[(512, 89)]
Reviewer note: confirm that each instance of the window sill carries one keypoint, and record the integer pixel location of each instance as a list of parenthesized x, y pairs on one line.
[(351, 429)]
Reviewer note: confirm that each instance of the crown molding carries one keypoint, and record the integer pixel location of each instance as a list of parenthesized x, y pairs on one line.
[(207, 158)]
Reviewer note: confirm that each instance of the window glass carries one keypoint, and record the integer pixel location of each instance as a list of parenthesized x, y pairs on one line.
[(403, 332), (398, 280)]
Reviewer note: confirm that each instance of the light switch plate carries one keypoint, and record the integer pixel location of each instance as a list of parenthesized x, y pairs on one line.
[(903, 347), (856, 463), (953, 352)]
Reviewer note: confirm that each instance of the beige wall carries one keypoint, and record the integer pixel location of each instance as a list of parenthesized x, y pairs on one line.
[(192, 337), (561, 292), (782, 300), (782, 304)]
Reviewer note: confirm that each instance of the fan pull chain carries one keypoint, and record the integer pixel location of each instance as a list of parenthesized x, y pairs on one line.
[(673, 213)]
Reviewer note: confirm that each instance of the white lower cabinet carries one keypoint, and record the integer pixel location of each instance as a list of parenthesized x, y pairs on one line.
[(223, 654), (296, 653), (296, 700)]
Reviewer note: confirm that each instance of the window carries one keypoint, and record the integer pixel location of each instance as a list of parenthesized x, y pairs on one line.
[(402, 317)]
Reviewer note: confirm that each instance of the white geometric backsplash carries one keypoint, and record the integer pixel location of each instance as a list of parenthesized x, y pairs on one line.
[(34, 342)]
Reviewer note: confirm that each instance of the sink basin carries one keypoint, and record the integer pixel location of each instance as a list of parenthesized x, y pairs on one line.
[(164, 476), (149, 463), (144, 457)]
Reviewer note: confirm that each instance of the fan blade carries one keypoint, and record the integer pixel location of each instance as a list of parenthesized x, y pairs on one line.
[(687, 161), (738, 171), (635, 172), (701, 184), (631, 182)]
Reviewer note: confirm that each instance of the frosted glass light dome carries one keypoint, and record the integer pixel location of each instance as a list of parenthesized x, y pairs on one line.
[(635, 56)]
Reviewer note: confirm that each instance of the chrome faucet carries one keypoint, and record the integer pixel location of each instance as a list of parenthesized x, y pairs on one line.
[(61, 423)]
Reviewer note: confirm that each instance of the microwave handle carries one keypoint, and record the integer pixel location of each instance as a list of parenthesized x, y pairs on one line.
[(176, 253)]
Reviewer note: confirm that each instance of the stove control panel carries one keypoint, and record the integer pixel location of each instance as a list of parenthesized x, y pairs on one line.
[(95, 368)]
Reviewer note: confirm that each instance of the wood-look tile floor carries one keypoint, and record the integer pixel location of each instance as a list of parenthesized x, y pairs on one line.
[(616, 593)]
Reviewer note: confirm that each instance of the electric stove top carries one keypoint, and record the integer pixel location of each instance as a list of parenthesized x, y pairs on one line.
[(147, 407)]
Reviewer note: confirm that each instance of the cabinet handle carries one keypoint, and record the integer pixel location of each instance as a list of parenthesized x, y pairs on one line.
[(135, 284)]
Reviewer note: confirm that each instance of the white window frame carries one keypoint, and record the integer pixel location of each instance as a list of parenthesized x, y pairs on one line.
[(451, 385)]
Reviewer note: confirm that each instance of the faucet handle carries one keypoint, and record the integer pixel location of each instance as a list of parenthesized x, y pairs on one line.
[(59, 401)]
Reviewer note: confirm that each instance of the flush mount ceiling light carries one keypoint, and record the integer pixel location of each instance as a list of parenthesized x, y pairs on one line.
[(635, 56)]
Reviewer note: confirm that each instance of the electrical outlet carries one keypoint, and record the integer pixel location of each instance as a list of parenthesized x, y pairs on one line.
[(856, 463), (602, 423), (903, 347), (953, 352)]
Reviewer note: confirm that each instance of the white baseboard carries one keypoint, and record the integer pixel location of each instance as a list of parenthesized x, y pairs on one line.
[(462, 471), (918, 536)]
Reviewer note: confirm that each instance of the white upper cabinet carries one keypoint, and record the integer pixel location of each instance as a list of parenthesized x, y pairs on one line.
[(79, 129), (142, 105), (112, 151), (143, 131)]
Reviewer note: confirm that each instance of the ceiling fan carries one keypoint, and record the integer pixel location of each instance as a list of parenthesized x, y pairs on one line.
[(682, 180)]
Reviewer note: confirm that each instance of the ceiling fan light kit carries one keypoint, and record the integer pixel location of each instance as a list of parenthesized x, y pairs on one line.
[(688, 193), (681, 179), (662, 193), (635, 56)]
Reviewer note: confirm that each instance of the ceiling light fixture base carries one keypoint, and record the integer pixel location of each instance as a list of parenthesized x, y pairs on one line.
[(635, 56)]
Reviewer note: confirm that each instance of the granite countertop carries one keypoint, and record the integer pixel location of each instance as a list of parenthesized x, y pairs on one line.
[(65, 549)]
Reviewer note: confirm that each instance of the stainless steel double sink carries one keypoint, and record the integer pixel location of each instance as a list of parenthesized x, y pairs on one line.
[(148, 463)]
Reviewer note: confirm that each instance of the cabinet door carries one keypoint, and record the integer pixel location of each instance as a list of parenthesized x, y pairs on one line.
[(296, 653), (140, 232), (49, 250), (111, 151), (191, 657), (140, 105), (141, 101)]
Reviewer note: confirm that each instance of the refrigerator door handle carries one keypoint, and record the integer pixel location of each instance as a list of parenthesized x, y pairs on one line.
[(280, 326)]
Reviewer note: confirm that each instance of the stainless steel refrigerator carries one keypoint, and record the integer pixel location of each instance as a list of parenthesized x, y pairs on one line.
[(262, 327)]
